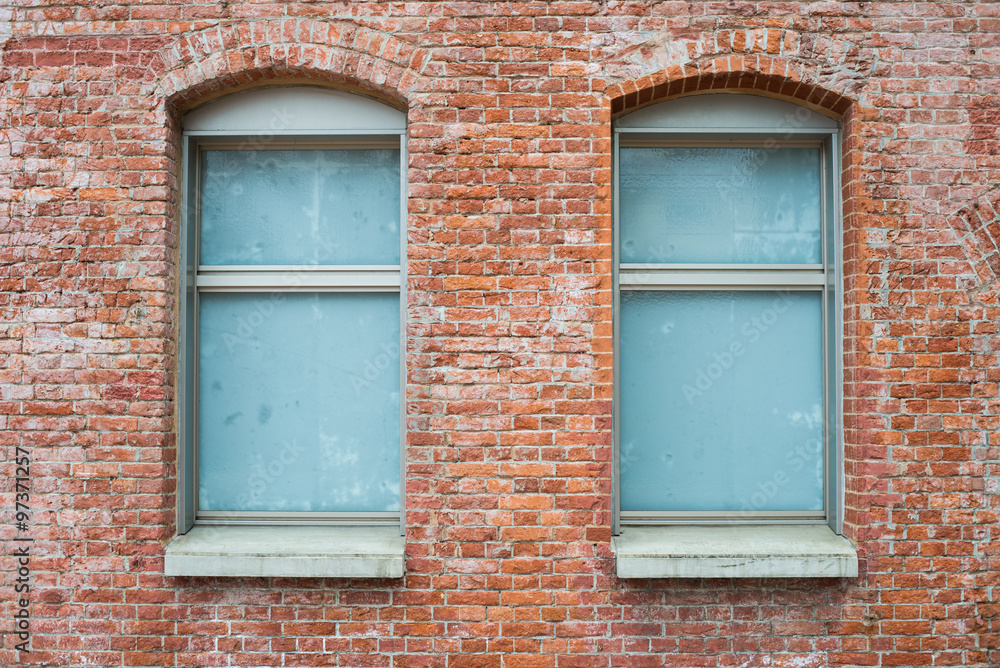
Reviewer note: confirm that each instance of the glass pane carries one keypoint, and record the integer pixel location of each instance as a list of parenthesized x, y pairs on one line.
[(300, 206), (743, 205), (298, 402), (721, 401)]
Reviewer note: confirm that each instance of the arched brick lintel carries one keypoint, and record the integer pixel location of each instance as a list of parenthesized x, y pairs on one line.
[(753, 73), (231, 56), (977, 226)]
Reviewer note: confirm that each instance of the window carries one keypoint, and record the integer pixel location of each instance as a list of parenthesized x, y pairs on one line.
[(292, 347), (727, 398)]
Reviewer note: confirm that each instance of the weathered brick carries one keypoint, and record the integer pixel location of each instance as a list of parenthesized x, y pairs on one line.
[(509, 360)]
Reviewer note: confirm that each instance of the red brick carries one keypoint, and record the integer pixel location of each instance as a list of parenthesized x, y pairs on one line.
[(510, 352)]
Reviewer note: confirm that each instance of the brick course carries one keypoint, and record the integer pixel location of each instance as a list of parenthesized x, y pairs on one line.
[(509, 329)]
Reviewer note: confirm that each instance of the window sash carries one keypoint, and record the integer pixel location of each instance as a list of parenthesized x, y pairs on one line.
[(282, 279), (822, 277), (743, 444), (286, 517), (638, 230), (265, 144)]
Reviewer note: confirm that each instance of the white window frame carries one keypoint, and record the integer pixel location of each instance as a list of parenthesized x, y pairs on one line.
[(739, 120), (270, 119)]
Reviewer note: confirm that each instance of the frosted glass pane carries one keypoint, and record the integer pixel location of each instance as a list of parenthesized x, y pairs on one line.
[(744, 205), (298, 402), (721, 401), (300, 206)]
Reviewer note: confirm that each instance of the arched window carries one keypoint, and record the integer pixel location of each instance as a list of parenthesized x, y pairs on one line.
[(727, 330), (292, 373)]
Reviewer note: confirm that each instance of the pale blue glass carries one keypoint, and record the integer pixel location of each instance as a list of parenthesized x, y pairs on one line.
[(298, 402), (720, 205), (315, 206), (721, 401)]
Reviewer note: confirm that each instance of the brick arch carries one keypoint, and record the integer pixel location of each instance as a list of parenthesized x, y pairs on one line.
[(825, 74), (239, 54), (977, 226), (828, 78), (760, 74)]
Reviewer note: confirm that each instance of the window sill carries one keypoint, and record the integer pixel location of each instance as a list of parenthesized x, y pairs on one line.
[(287, 551), (764, 551)]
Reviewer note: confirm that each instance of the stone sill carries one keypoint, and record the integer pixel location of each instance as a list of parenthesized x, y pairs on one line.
[(746, 551), (287, 551)]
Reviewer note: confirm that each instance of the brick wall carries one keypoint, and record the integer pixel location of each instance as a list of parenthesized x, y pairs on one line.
[(509, 329)]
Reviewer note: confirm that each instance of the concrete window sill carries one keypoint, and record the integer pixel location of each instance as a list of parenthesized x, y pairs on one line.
[(759, 551), (287, 551)]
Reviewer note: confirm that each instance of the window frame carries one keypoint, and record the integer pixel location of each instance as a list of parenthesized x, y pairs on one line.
[(334, 131), (714, 120)]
